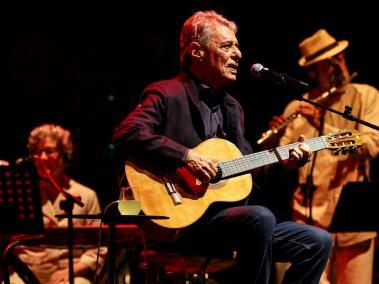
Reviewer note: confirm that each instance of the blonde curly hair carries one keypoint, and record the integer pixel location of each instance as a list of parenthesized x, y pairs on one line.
[(56, 132)]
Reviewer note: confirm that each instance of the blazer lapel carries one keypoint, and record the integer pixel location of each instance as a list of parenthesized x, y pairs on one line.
[(231, 118), (193, 94)]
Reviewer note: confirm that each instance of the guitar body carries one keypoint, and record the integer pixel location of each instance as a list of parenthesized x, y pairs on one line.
[(195, 197), (191, 198)]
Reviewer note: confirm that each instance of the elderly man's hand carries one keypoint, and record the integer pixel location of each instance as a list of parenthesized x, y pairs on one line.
[(299, 156), (202, 168)]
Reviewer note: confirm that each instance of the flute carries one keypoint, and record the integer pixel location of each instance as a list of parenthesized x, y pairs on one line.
[(275, 130)]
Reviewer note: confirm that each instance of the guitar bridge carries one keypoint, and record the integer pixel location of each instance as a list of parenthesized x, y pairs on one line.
[(170, 187)]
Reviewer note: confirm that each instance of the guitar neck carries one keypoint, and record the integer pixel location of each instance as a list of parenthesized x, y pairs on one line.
[(245, 164)]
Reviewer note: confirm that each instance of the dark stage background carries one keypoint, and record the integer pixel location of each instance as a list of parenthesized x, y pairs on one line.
[(84, 64)]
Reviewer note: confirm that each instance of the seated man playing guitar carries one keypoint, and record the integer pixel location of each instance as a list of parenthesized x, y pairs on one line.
[(180, 175)]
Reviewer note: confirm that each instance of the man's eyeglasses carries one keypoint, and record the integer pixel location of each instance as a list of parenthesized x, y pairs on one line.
[(48, 151)]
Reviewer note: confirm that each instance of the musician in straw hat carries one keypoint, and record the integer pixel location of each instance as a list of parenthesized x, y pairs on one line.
[(315, 202)]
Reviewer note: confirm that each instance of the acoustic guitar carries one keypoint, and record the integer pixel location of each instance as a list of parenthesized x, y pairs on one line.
[(184, 199)]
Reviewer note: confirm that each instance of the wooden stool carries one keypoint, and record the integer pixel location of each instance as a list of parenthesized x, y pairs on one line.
[(176, 266)]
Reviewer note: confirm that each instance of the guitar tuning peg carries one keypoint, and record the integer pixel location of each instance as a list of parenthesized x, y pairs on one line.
[(336, 152), (353, 149)]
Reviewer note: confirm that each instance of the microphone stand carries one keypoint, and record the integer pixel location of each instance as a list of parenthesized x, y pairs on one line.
[(67, 206), (346, 114), (308, 188)]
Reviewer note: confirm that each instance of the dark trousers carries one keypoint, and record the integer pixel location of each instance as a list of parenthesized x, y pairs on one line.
[(259, 240)]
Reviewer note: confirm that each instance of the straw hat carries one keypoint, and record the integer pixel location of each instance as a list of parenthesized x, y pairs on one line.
[(321, 45)]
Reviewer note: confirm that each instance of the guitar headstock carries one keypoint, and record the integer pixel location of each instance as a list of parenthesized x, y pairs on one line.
[(343, 141)]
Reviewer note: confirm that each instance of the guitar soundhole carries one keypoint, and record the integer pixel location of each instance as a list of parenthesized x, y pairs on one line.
[(214, 180), (218, 176)]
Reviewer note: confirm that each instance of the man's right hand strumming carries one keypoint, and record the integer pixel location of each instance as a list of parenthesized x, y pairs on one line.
[(203, 168)]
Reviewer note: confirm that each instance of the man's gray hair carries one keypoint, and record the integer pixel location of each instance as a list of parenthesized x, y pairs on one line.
[(198, 28)]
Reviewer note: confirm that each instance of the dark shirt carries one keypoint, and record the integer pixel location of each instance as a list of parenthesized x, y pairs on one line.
[(210, 111)]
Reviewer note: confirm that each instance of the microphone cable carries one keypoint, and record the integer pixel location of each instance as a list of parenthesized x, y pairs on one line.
[(99, 241)]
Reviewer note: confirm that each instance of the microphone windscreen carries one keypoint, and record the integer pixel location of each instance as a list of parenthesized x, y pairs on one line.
[(256, 69)]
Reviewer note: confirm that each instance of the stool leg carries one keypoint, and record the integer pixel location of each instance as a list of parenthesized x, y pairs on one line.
[(179, 279), (202, 277), (151, 275), (203, 270)]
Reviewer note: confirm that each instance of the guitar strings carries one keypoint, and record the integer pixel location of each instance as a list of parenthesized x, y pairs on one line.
[(256, 160)]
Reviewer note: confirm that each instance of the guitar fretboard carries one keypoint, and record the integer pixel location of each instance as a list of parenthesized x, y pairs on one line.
[(245, 164)]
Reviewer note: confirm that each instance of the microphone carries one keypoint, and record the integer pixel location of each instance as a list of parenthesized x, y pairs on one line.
[(23, 160), (257, 70)]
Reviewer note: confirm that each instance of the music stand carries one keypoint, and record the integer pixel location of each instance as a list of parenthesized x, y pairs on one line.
[(20, 207), (20, 202), (112, 220), (357, 208)]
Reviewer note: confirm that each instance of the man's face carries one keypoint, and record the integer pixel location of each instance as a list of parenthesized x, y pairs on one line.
[(221, 57), (331, 72), (48, 158)]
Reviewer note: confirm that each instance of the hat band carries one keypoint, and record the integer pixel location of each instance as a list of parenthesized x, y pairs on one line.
[(321, 51)]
